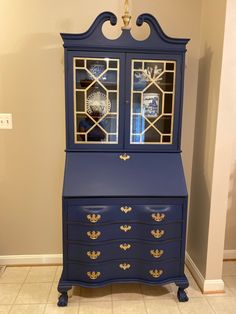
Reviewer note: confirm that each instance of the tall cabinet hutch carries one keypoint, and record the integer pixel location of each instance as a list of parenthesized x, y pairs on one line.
[(124, 195)]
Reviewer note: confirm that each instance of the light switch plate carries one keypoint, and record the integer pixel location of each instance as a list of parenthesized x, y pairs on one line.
[(5, 121)]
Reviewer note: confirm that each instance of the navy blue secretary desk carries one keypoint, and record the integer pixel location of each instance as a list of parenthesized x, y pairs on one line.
[(124, 195)]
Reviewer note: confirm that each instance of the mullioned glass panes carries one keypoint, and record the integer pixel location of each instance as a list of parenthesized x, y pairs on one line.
[(152, 101), (96, 100)]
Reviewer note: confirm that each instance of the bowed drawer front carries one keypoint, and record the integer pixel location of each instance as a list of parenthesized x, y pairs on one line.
[(123, 269), (123, 249), (124, 212), (123, 239), (124, 230)]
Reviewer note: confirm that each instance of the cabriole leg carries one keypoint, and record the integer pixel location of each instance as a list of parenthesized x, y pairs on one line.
[(63, 298), (181, 294)]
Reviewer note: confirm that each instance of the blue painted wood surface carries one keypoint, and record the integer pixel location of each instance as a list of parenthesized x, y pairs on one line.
[(98, 182), (156, 46), (94, 39), (105, 174)]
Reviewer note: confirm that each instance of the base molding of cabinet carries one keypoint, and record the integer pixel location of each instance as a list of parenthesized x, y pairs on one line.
[(229, 255), (36, 259), (206, 286)]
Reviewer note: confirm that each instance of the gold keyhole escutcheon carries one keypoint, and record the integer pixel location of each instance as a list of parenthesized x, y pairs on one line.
[(125, 246), (125, 228), (126, 209), (124, 266)]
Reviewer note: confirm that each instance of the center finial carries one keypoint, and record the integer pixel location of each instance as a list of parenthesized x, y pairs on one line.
[(126, 17)]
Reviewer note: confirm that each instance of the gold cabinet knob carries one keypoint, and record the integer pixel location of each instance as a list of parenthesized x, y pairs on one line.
[(125, 246), (158, 217), (93, 217), (124, 266), (126, 209), (156, 253), (125, 228), (124, 157), (93, 274), (156, 273), (93, 254), (157, 233), (93, 234)]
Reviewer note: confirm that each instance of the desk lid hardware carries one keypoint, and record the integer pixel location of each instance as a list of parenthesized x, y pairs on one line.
[(124, 157)]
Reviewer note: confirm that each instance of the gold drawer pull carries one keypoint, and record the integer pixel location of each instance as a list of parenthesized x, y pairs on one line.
[(125, 246), (157, 233), (93, 254), (124, 266), (158, 217), (93, 274), (156, 273), (93, 218), (156, 253), (93, 234), (124, 157), (125, 228), (126, 209)]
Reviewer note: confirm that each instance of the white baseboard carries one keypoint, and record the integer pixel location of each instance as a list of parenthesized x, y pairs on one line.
[(229, 254), (207, 286), (30, 259)]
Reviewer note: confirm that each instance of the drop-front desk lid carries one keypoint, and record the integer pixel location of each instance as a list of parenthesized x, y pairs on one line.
[(105, 174)]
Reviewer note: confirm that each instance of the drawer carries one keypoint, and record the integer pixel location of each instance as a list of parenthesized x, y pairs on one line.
[(123, 250), (123, 212), (141, 231), (123, 270)]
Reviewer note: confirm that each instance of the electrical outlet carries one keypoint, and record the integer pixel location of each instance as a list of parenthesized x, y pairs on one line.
[(5, 121)]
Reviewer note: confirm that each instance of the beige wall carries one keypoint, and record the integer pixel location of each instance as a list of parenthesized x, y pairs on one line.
[(230, 233), (213, 139), (32, 88), (230, 236)]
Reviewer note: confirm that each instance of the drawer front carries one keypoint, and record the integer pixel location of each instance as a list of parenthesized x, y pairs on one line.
[(123, 250), (123, 269), (124, 212), (97, 233)]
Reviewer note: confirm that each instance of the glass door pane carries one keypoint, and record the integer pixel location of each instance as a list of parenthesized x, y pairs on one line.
[(152, 101), (96, 100)]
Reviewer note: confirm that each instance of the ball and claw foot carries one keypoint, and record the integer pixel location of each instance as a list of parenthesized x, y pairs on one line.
[(182, 296), (63, 299)]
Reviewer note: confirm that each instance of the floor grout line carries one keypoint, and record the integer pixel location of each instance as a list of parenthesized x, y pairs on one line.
[(210, 305), (141, 300), (19, 290), (51, 288)]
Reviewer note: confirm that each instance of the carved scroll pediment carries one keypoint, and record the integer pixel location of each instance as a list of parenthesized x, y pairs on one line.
[(95, 38)]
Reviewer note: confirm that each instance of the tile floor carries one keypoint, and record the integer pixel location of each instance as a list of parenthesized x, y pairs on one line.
[(33, 290)]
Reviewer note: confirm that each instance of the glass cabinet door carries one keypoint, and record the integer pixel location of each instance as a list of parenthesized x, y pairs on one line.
[(96, 100), (152, 101)]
